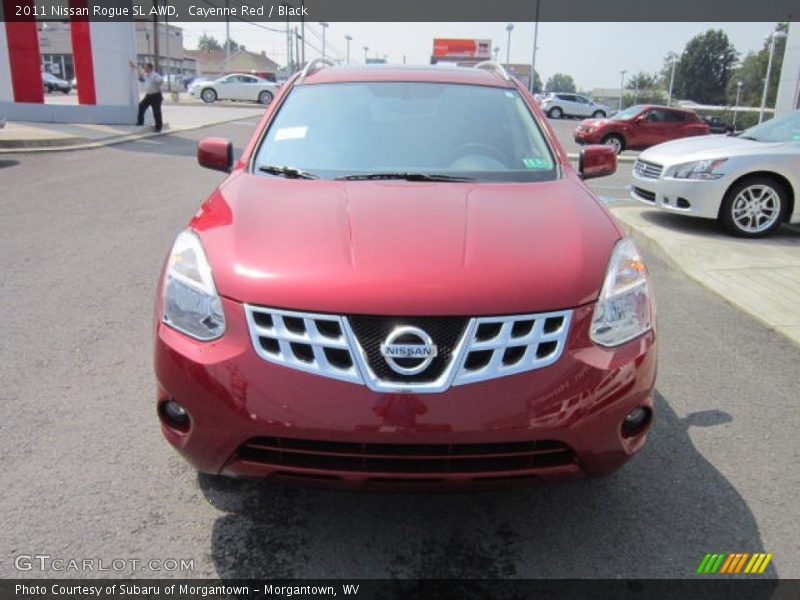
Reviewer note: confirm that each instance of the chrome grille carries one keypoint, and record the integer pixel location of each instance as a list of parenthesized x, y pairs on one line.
[(647, 169), (330, 346), (309, 342), (503, 346)]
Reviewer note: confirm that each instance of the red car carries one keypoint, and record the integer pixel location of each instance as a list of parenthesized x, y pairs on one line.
[(403, 282), (640, 127)]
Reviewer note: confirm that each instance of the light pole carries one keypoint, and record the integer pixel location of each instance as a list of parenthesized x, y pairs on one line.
[(775, 35), (366, 49), (671, 81), (736, 107), (509, 29), (535, 40), (324, 26), (621, 88), (349, 39), (496, 52)]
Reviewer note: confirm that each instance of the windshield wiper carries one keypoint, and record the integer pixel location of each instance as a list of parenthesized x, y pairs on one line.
[(406, 176), (748, 137), (290, 172)]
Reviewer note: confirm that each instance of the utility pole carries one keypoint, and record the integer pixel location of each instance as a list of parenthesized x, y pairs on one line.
[(289, 59), (324, 27), (302, 34), (509, 29), (535, 40), (621, 88), (349, 39), (227, 38), (156, 58), (297, 46), (166, 27), (736, 108), (671, 81), (366, 49)]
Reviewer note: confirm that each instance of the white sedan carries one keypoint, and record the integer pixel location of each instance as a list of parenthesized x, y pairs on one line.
[(750, 183), (247, 88)]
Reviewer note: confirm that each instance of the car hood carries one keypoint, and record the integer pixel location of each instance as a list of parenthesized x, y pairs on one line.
[(406, 248), (704, 147)]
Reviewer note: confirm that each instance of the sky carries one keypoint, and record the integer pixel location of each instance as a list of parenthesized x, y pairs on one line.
[(592, 53)]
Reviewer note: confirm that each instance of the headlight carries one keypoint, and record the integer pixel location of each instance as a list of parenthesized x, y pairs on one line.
[(624, 308), (700, 169), (191, 303)]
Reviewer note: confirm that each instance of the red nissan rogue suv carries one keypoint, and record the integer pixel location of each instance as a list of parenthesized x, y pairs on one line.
[(403, 282)]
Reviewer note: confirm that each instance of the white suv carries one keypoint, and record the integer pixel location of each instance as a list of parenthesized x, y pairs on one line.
[(572, 105)]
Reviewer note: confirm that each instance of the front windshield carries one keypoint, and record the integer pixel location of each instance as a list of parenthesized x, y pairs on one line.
[(361, 128), (779, 129), (628, 113)]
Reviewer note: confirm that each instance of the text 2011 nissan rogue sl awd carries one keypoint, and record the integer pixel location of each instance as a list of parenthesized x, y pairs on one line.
[(403, 282)]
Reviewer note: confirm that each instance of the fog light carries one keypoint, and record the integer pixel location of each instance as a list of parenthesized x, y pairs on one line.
[(174, 415), (636, 421)]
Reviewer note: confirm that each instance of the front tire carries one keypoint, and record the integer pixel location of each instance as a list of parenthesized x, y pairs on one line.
[(265, 97), (599, 114), (754, 207), (615, 141), (208, 95), (555, 113)]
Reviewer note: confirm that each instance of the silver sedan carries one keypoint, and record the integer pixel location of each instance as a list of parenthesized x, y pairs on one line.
[(750, 183)]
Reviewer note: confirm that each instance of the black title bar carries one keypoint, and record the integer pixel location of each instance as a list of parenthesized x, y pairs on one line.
[(404, 10)]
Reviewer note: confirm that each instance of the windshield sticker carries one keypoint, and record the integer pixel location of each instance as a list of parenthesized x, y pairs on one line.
[(291, 133), (537, 162)]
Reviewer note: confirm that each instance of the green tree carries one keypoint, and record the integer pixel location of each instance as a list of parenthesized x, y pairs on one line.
[(705, 68), (537, 83), (643, 81), (753, 70), (560, 83), (207, 43)]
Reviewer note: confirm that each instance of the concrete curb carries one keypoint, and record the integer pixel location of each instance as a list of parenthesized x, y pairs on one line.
[(646, 242), (620, 159), (81, 144)]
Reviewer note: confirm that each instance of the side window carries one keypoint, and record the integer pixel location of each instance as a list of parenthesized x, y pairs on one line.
[(582, 99), (672, 116), (655, 115)]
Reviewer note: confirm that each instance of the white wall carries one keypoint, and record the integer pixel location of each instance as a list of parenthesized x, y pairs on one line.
[(6, 90)]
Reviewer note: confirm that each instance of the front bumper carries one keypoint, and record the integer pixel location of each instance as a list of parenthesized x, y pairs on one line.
[(583, 137), (253, 418), (693, 197)]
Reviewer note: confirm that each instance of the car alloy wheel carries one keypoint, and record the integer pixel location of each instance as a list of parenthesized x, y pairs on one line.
[(754, 209), (555, 113), (264, 97), (598, 114), (615, 142), (208, 95)]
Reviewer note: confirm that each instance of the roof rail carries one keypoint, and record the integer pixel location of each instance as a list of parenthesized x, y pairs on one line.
[(313, 66), (496, 67)]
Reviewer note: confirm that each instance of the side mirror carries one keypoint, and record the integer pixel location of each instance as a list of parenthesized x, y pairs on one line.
[(597, 160), (215, 153), (640, 119)]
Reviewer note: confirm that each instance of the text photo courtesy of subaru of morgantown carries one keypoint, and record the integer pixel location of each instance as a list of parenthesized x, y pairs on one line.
[(397, 301)]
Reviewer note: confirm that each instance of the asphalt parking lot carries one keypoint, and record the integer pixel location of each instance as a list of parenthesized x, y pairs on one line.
[(87, 474)]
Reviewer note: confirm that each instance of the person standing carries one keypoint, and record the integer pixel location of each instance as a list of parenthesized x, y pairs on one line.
[(152, 95)]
